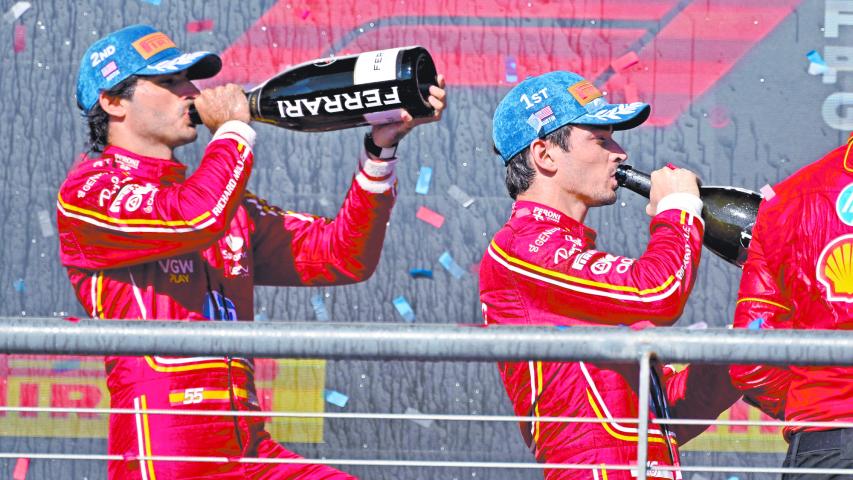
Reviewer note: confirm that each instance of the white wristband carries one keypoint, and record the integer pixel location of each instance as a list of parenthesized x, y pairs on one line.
[(681, 201)]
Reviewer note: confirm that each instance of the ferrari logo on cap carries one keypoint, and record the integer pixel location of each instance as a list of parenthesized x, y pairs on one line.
[(584, 92)]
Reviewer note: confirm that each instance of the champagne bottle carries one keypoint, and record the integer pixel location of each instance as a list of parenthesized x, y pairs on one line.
[(729, 213), (344, 92)]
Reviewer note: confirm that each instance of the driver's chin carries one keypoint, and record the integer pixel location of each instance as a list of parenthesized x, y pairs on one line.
[(607, 199), (189, 136)]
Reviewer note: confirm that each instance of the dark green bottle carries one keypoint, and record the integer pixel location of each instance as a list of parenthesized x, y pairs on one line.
[(729, 213), (344, 92)]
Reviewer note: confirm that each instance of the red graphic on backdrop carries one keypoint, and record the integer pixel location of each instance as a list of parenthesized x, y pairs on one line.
[(681, 47)]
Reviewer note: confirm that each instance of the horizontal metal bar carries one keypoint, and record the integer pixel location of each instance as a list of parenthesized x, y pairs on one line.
[(421, 463), (741, 469), (426, 342), (425, 416), (323, 461), (341, 415)]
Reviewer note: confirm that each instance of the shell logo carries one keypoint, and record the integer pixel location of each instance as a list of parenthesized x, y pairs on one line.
[(835, 269)]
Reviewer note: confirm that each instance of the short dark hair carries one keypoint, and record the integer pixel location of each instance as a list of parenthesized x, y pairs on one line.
[(519, 171), (99, 120)]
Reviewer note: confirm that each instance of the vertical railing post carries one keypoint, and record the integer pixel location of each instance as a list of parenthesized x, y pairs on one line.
[(643, 415)]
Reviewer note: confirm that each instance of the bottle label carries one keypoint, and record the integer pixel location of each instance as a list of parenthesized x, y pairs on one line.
[(332, 104), (382, 118), (377, 66)]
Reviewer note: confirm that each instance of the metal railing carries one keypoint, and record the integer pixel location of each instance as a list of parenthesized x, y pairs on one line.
[(433, 342)]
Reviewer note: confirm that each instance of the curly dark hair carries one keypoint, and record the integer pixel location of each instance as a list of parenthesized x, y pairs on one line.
[(519, 171), (99, 120)]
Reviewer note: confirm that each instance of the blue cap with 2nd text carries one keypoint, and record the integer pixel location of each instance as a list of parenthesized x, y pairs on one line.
[(136, 50)]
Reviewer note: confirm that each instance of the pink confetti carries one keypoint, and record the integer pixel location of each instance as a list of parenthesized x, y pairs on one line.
[(767, 192), (21, 467), (430, 217), (641, 325), (305, 14), (200, 26), (71, 319), (20, 38), (130, 457), (718, 117), (625, 62), (632, 95)]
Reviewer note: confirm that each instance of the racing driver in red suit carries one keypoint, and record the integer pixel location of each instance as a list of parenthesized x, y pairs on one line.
[(554, 133), (798, 275), (142, 240)]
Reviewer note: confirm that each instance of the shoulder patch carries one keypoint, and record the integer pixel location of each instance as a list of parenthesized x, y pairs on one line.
[(844, 205)]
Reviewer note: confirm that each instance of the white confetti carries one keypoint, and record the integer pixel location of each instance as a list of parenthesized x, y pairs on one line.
[(16, 11), (426, 423), (818, 69), (460, 196), (44, 223)]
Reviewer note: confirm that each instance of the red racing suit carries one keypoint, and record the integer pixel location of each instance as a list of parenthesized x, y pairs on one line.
[(142, 241), (798, 275), (542, 268)]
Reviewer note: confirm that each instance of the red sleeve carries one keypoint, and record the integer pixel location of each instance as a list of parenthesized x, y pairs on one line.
[(762, 298), (301, 249), (562, 282), (142, 220)]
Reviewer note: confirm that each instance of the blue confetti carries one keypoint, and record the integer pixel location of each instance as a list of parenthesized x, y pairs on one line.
[(404, 309), (814, 57), (423, 180), (261, 317), (19, 285), (562, 327), (66, 365), (511, 70), (420, 273), (152, 2), (446, 261), (320, 310), (756, 324), (336, 398)]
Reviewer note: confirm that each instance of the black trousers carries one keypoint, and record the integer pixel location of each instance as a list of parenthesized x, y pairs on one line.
[(823, 449)]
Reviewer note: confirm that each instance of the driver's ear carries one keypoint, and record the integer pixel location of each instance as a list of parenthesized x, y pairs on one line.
[(541, 158), (112, 106)]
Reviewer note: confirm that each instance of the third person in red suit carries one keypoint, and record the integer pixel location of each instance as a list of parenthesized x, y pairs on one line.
[(799, 274)]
